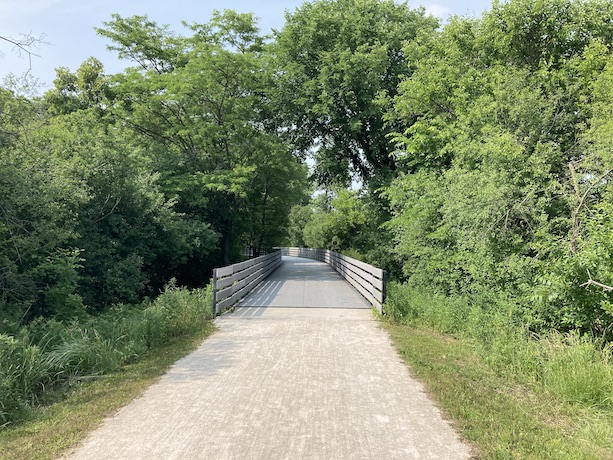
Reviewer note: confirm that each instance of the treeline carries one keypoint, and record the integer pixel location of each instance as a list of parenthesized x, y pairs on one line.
[(111, 186)]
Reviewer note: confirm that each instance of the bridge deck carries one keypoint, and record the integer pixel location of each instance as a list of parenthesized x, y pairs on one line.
[(305, 283), (284, 383)]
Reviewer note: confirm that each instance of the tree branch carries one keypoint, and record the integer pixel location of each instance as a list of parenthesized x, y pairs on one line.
[(591, 282), (25, 45)]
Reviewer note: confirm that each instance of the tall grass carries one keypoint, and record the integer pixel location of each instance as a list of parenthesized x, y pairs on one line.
[(48, 354), (24, 371), (573, 367), (578, 369)]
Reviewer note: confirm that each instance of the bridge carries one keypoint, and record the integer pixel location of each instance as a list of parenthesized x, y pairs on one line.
[(303, 277), (298, 369)]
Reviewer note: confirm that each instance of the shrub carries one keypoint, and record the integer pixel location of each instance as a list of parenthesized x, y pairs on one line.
[(400, 306), (176, 312), (410, 305)]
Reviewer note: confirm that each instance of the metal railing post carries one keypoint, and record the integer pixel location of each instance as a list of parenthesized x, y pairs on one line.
[(214, 292)]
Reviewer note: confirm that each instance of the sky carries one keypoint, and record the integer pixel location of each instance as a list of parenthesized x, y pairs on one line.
[(67, 26)]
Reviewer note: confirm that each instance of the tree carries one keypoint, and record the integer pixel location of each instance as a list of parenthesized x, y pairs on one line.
[(200, 101), (87, 88), (38, 265), (338, 66), (131, 238), (498, 185)]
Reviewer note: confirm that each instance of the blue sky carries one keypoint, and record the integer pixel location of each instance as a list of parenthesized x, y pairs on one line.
[(68, 25)]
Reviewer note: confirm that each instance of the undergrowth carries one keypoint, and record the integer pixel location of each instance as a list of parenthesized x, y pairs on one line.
[(573, 366), (43, 357)]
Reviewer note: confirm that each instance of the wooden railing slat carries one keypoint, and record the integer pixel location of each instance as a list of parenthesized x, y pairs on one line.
[(232, 283)]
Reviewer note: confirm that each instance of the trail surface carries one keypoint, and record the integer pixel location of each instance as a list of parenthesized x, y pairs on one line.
[(281, 382)]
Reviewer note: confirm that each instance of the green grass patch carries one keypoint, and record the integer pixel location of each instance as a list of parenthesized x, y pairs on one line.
[(496, 413), (49, 431)]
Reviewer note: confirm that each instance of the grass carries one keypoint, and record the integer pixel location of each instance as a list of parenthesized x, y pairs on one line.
[(46, 355), (500, 417), (50, 431)]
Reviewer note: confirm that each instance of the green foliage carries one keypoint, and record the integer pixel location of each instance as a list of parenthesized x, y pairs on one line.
[(579, 370), (337, 222), (87, 88), (48, 354), (38, 197), (84, 353), (23, 373), (544, 32), (339, 63), (112, 185), (348, 221), (505, 167), (483, 147), (576, 368), (174, 313), (199, 102), (299, 217)]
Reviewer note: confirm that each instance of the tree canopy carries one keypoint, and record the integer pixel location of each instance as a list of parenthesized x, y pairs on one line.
[(338, 64)]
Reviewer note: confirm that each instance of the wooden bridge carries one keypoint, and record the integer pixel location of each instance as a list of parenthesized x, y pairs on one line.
[(299, 277)]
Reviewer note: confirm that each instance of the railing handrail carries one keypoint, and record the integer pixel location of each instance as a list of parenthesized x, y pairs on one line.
[(232, 283), (370, 281)]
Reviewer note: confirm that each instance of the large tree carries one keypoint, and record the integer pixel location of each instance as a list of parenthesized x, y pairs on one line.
[(339, 63), (200, 100)]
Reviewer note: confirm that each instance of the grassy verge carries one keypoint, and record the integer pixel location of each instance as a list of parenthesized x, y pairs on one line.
[(502, 418), (52, 430)]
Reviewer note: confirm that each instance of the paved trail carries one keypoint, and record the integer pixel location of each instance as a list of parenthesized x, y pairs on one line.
[(284, 383)]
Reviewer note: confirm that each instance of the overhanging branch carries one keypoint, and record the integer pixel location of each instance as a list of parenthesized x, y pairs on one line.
[(591, 282), (25, 44)]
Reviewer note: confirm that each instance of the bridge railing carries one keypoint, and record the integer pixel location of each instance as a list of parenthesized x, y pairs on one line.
[(367, 279), (232, 283)]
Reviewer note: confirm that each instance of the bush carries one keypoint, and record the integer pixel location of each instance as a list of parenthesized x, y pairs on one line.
[(174, 313), (410, 305), (400, 304)]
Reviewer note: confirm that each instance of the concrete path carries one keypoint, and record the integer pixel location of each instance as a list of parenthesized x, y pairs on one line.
[(283, 383)]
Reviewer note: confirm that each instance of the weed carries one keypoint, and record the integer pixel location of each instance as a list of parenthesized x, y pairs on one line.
[(47, 353)]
